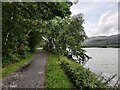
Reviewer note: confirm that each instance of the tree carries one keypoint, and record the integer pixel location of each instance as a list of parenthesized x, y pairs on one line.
[(76, 37), (65, 36), (22, 25)]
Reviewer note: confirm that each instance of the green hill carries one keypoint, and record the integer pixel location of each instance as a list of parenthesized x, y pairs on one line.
[(103, 41)]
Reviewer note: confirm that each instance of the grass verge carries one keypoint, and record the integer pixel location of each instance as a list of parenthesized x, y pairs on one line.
[(13, 67), (55, 76)]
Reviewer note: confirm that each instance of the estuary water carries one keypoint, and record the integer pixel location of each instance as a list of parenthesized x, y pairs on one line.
[(103, 60)]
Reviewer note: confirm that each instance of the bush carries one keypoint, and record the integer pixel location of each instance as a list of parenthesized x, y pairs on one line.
[(80, 77)]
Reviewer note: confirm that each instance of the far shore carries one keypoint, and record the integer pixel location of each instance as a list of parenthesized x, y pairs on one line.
[(99, 47)]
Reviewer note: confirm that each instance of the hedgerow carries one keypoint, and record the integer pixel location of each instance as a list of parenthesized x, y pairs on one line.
[(81, 77)]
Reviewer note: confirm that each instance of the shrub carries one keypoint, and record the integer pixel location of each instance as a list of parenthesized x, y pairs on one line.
[(81, 77)]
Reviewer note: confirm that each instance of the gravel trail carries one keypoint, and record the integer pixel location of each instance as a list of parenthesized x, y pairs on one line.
[(30, 76)]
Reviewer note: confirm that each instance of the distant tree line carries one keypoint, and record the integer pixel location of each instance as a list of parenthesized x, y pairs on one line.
[(110, 46)]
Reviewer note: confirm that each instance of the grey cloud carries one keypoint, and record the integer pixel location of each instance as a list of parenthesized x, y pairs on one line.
[(107, 24)]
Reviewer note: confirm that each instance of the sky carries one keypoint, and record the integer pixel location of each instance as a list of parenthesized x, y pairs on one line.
[(101, 17)]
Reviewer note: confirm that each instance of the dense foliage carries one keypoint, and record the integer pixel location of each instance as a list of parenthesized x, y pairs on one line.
[(65, 36), (26, 25), (81, 77), (22, 26)]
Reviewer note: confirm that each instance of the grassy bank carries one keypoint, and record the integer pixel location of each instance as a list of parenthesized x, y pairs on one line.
[(79, 76), (55, 77), (66, 73), (13, 67)]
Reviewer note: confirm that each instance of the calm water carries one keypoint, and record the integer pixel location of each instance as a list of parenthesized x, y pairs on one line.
[(103, 60)]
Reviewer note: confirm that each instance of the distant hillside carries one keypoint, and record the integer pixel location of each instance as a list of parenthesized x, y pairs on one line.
[(103, 41)]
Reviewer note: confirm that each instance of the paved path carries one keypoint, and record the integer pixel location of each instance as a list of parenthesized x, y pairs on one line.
[(31, 76)]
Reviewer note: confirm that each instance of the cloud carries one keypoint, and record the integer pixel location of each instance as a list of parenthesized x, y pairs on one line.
[(96, 0), (82, 7), (101, 18), (107, 24)]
